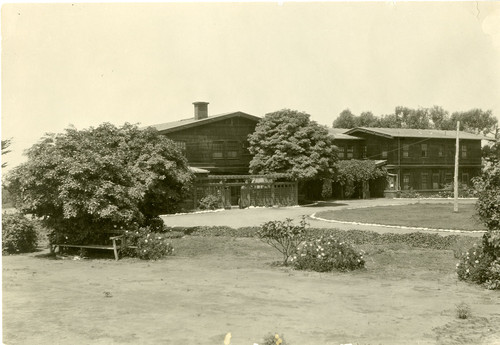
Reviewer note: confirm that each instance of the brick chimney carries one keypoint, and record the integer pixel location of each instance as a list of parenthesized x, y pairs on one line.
[(200, 110)]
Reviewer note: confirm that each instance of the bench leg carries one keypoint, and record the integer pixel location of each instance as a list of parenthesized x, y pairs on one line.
[(115, 249)]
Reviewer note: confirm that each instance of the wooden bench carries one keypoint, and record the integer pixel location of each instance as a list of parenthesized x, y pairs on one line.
[(114, 247)]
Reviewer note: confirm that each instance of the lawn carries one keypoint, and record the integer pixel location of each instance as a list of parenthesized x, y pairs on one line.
[(216, 285), (436, 216)]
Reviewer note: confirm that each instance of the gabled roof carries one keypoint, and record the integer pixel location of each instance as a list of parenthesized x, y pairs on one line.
[(174, 126), (414, 133), (339, 133)]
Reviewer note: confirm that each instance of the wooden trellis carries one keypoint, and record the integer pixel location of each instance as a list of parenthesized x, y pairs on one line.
[(247, 190)]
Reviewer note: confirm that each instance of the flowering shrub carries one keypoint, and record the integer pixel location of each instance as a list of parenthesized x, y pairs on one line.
[(211, 202), (147, 245), (480, 267), (19, 234), (327, 254), (283, 236)]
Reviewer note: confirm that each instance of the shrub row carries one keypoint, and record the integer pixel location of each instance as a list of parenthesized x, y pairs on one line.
[(414, 239)]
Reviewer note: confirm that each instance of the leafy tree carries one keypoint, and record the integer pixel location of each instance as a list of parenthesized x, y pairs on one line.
[(492, 153), (100, 178), (367, 119), (353, 171), (287, 141), (413, 118), (440, 118), (346, 119), (389, 121), (5, 144), (476, 121)]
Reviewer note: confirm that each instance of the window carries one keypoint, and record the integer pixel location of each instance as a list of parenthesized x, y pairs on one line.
[(218, 150), (423, 148), (406, 181), (232, 149), (448, 178), (465, 179), (424, 179), (464, 151), (181, 146), (406, 151), (384, 151), (435, 181), (364, 151), (341, 152), (440, 151), (350, 152)]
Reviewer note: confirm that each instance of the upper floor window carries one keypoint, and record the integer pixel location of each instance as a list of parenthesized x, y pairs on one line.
[(181, 146), (423, 148), (440, 151), (384, 151), (218, 150), (464, 151), (406, 151), (232, 149), (350, 152)]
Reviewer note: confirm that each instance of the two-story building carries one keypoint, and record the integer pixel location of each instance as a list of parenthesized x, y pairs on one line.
[(418, 159), (217, 144)]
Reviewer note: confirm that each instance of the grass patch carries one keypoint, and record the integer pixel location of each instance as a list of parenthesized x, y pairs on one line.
[(435, 216)]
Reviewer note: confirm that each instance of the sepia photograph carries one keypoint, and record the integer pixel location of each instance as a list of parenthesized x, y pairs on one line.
[(250, 173)]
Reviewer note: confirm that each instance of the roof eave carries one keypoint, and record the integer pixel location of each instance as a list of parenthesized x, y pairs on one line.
[(207, 120), (368, 131)]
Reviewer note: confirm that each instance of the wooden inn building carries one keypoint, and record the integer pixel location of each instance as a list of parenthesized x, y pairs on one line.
[(216, 148)]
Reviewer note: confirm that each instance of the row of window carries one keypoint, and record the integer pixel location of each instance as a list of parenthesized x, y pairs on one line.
[(432, 181), (348, 151), (219, 149)]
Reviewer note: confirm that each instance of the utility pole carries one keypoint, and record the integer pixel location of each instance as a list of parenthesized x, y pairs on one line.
[(455, 184)]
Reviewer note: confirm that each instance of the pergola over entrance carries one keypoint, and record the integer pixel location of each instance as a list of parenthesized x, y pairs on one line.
[(247, 190)]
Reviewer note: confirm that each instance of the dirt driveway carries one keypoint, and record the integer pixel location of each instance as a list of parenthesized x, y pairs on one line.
[(256, 216)]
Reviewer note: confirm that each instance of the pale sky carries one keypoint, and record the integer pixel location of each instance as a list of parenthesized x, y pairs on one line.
[(85, 64)]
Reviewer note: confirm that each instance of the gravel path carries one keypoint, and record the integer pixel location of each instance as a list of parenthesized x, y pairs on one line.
[(256, 216)]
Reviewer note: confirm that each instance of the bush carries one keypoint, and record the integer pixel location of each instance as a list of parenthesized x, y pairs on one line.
[(283, 236), (274, 339), (147, 245), (155, 224), (326, 254), (464, 191), (409, 194), (19, 234), (480, 265), (210, 202), (463, 311)]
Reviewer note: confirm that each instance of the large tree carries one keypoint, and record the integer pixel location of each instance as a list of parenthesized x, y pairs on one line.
[(82, 181), (287, 141)]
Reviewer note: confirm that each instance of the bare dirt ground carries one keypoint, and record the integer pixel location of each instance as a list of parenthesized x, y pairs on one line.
[(405, 296), (257, 216)]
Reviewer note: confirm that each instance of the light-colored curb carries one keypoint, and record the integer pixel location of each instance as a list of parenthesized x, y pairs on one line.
[(313, 216)]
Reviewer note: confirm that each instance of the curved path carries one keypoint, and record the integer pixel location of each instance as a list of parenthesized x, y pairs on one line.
[(256, 216)]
